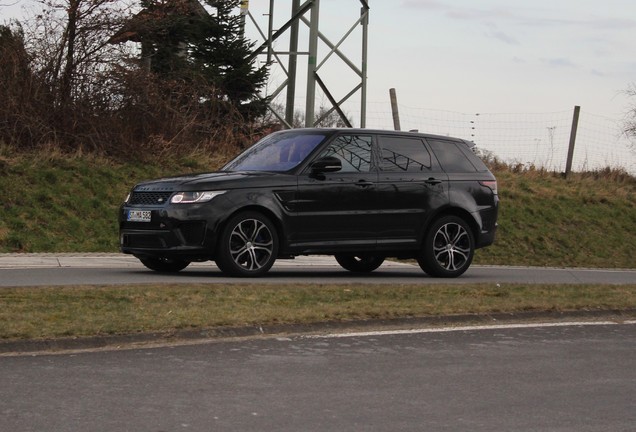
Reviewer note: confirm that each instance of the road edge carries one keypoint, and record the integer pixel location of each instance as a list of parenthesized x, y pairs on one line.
[(208, 335)]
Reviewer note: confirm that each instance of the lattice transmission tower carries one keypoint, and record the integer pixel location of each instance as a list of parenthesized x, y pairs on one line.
[(308, 13)]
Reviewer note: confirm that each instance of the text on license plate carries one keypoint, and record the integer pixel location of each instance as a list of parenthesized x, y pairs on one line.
[(138, 216)]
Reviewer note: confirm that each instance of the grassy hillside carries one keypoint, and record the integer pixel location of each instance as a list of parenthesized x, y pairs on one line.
[(587, 220), (55, 203)]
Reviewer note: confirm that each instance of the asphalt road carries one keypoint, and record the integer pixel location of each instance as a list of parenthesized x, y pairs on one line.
[(555, 378), (47, 269)]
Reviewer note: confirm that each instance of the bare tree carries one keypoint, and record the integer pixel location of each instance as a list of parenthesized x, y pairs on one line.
[(69, 56), (331, 118), (69, 39), (19, 116), (630, 124), (328, 119), (64, 82)]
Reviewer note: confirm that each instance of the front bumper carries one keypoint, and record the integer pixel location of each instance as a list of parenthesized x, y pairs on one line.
[(185, 233)]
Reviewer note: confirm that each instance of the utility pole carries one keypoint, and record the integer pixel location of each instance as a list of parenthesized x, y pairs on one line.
[(394, 109), (575, 125)]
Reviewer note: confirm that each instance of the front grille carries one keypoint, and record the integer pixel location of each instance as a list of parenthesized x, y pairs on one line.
[(149, 198)]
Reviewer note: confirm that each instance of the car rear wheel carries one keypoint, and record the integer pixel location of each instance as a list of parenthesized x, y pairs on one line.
[(164, 265), (248, 245), (359, 263), (448, 248)]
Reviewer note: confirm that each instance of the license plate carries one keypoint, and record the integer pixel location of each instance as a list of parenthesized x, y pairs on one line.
[(139, 216)]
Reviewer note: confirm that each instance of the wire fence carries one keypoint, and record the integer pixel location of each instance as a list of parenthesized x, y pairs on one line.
[(532, 139)]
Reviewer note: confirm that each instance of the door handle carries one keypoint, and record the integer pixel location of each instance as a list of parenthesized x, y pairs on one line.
[(432, 181), (364, 183)]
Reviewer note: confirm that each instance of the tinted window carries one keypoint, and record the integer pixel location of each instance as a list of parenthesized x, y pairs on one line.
[(354, 151), (451, 157), (474, 159), (404, 154), (276, 152)]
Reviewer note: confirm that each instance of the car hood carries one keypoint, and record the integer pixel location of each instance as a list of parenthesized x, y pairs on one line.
[(213, 181)]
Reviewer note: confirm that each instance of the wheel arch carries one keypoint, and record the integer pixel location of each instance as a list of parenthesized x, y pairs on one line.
[(265, 211), (463, 214)]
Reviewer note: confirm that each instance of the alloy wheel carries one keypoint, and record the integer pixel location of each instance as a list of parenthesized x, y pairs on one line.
[(448, 248), (452, 246), (251, 245)]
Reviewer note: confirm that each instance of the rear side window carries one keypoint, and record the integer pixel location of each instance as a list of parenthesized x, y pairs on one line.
[(401, 154), (354, 152), (451, 157), (470, 154)]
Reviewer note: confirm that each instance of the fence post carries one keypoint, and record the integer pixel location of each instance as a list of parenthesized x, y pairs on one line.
[(394, 109), (575, 125)]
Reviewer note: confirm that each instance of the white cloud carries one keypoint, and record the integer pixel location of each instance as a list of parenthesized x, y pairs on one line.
[(423, 4), (503, 37), (559, 62)]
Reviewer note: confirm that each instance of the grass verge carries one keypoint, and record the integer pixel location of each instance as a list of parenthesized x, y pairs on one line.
[(81, 311), (54, 202)]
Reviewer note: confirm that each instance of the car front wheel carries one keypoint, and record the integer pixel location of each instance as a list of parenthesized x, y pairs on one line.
[(448, 248), (359, 263), (248, 245)]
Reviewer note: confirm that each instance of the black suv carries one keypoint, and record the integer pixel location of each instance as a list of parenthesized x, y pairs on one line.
[(358, 194)]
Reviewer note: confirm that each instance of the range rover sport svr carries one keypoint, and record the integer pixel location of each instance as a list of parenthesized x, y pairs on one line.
[(360, 195)]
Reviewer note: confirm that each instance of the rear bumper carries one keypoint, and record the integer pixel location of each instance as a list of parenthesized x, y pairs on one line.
[(489, 226), (486, 238)]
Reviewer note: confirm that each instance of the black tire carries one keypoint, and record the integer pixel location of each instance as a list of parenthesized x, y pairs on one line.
[(248, 245), (359, 263), (448, 248), (164, 265)]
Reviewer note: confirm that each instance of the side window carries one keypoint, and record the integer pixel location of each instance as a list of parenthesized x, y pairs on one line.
[(404, 154), (354, 151), (452, 159)]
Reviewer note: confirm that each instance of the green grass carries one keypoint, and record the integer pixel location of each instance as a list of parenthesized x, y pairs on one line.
[(587, 220), (49, 312), (61, 203)]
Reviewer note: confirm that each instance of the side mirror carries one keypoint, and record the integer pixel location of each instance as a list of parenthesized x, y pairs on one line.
[(326, 164)]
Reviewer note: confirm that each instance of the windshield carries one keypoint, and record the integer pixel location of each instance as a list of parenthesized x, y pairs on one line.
[(277, 152)]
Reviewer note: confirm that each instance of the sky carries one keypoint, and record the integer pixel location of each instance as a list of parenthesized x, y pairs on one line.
[(505, 55), (491, 55), (496, 56)]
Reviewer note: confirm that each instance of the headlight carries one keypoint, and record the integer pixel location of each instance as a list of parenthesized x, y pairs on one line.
[(194, 197), (127, 198)]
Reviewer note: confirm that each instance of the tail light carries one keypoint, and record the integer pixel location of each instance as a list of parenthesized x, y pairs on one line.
[(491, 184)]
